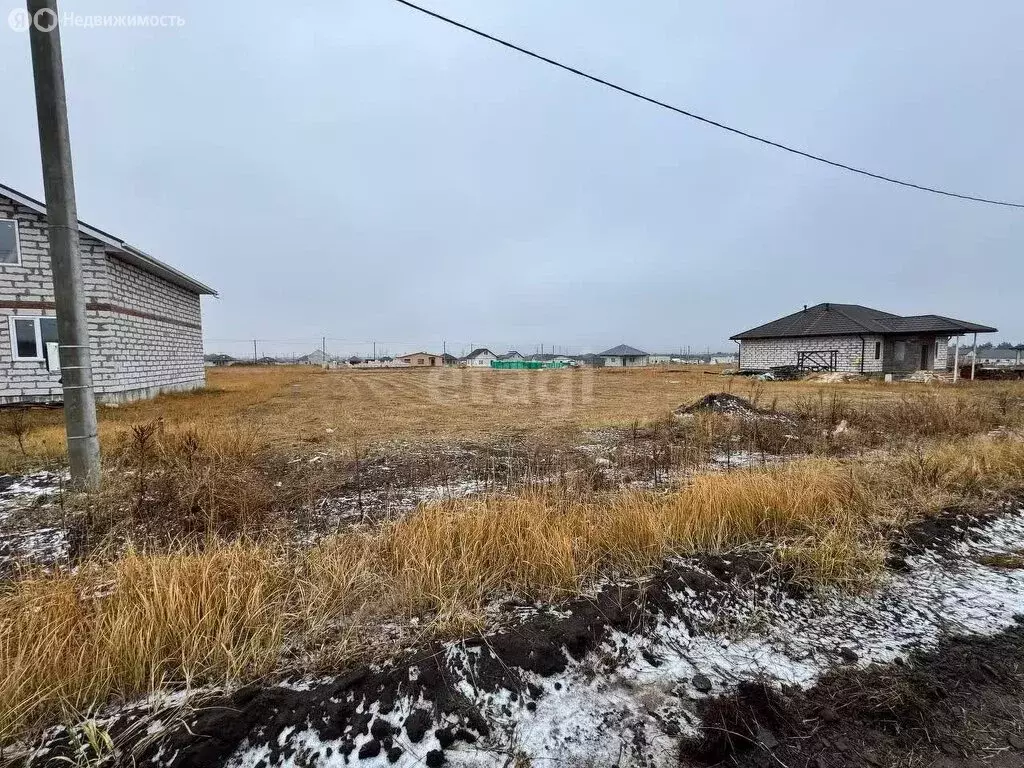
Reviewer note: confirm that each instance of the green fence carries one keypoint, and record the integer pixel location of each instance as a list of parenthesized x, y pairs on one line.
[(527, 364)]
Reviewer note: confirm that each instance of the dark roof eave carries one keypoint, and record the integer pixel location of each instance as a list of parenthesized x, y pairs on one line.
[(147, 263)]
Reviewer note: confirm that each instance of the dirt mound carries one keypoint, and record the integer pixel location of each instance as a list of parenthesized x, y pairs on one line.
[(732, 405), (719, 402), (417, 703), (946, 707), (945, 530)]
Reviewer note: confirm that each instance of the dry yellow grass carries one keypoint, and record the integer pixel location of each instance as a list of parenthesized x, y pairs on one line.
[(967, 466), (69, 641), (451, 555), (294, 407)]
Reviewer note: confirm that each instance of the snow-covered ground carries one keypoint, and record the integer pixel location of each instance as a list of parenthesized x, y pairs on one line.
[(632, 698), (24, 501)]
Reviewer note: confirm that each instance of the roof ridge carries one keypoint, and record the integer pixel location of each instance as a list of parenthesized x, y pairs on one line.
[(829, 319)]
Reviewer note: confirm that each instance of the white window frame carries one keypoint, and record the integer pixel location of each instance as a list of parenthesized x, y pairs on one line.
[(11, 319), (17, 244)]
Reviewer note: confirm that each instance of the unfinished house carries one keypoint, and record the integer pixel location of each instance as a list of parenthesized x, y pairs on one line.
[(625, 356), (422, 359), (145, 321), (853, 339)]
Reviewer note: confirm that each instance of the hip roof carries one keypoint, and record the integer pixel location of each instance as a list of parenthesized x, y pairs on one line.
[(829, 319)]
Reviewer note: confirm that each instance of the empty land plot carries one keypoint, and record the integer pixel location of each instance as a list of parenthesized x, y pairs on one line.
[(300, 521), (306, 408)]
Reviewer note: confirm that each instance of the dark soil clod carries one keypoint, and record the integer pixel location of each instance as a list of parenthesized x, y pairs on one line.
[(702, 683), (416, 725), (369, 749), (848, 655), (941, 706)]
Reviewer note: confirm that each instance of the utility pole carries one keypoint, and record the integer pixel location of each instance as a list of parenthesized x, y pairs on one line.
[(65, 257), (254, 360), (323, 351)]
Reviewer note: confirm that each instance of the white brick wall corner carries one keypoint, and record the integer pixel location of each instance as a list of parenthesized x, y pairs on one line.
[(145, 334)]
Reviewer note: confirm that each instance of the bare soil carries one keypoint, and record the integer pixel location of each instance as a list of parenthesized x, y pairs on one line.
[(957, 706), (342, 708)]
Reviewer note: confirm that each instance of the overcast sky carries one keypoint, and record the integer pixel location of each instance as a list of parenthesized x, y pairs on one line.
[(358, 170)]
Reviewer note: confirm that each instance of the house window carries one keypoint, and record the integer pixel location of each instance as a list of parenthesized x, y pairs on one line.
[(878, 350), (9, 250), (29, 336)]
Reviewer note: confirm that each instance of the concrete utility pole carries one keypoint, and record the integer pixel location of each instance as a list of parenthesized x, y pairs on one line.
[(65, 257)]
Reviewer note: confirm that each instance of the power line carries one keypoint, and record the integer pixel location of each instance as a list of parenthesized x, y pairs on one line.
[(701, 118)]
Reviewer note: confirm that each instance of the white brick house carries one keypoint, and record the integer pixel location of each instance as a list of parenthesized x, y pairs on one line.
[(145, 322), (625, 356), (480, 357), (852, 338)]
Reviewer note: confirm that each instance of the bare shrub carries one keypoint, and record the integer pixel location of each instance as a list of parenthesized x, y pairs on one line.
[(934, 414), (14, 423), (190, 483)]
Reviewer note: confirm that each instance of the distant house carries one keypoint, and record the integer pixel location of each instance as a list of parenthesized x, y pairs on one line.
[(218, 359), (852, 338), (511, 355), (422, 360), (144, 316), (316, 357), (479, 358), (625, 356), (723, 360), (994, 357)]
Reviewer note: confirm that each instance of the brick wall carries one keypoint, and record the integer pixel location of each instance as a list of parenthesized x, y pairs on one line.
[(759, 354), (144, 332), (618, 361), (164, 352), (942, 359), (879, 353)]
